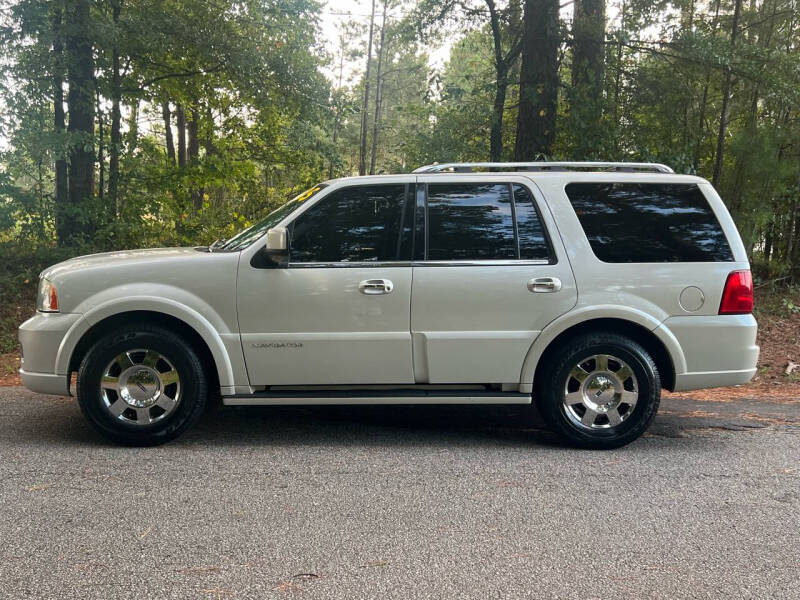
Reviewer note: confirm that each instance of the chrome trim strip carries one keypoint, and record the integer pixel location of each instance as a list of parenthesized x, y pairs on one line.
[(481, 263), (427, 263), (348, 265)]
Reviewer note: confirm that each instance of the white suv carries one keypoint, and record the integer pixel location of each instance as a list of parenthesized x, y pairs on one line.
[(585, 287)]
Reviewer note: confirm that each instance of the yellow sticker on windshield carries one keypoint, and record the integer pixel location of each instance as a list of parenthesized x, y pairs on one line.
[(307, 194)]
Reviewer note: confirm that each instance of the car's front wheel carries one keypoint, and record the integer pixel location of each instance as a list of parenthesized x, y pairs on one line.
[(600, 391), (142, 386)]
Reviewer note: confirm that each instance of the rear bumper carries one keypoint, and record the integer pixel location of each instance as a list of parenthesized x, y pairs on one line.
[(719, 350), (711, 379), (45, 383)]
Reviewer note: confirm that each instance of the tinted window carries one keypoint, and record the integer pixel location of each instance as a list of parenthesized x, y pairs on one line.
[(648, 222), (355, 224), (532, 239), (470, 222)]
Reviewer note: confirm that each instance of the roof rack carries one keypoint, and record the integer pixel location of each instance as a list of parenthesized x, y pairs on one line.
[(471, 167)]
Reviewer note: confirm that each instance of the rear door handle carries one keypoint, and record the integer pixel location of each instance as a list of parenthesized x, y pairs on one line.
[(544, 284), (375, 286)]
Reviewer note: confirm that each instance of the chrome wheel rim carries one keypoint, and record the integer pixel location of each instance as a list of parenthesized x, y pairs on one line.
[(140, 387), (600, 392)]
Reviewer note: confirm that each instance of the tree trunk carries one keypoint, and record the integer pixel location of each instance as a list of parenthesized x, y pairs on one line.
[(763, 32), (80, 102), (586, 97), (362, 155), (701, 120), (618, 82), (726, 99), (100, 157), (502, 64), (193, 149), (180, 117), (768, 238), (378, 94), (790, 232), (59, 125), (496, 131), (337, 111), (167, 115), (794, 257), (116, 138), (701, 123), (132, 137), (538, 86), (208, 133), (192, 128)]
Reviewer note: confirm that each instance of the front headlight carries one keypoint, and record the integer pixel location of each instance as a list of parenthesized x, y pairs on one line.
[(48, 296)]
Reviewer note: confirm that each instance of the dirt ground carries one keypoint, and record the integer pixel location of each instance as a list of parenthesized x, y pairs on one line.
[(9, 363)]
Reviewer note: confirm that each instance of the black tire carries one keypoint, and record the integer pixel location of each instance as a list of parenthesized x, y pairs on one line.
[(553, 383), (193, 384)]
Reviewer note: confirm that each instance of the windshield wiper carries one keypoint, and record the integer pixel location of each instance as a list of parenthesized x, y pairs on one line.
[(218, 243)]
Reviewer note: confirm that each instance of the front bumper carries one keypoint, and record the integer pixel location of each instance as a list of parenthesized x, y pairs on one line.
[(41, 338), (45, 383)]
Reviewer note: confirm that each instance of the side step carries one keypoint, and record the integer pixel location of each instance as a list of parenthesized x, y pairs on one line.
[(340, 397)]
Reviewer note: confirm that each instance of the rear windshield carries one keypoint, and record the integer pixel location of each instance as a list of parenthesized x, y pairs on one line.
[(649, 222)]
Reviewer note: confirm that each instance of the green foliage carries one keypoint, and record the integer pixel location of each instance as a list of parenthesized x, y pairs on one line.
[(268, 123), (790, 306), (19, 276), (249, 72)]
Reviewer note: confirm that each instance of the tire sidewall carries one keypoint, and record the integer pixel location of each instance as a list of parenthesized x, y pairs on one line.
[(178, 352), (647, 378)]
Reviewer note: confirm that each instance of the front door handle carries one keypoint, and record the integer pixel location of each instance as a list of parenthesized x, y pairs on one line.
[(544, 284), (375, 286)]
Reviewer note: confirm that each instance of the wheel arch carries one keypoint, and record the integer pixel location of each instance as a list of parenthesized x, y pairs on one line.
[(182, 320), (658, 341)]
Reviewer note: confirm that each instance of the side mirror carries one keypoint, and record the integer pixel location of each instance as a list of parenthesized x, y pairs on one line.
[(277, 248), (276, 239)]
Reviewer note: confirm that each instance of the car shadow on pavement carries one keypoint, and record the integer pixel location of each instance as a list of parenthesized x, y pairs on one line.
[(36, 419), (372, 425)]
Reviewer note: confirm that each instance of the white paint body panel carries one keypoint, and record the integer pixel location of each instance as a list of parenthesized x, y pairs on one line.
[(196, 287), (313, 326), (440, 324), (474, 323)]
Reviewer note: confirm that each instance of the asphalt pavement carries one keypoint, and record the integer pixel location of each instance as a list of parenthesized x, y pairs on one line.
[(400, 502)]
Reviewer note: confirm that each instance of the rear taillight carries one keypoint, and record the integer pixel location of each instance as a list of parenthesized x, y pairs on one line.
[(737, 297)]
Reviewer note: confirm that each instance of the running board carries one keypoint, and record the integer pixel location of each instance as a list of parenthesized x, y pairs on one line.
[(376, 397)]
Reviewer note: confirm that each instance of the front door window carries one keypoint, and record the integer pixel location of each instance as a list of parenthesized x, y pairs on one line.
[(367, 223)]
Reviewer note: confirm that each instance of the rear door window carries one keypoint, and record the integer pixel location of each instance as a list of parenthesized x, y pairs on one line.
[(648, 222), (468, 221), (483, 221)]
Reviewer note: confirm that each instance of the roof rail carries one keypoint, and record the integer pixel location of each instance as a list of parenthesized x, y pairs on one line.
[(471, 167)]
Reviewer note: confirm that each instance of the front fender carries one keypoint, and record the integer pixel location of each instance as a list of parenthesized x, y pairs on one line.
[(190, 309), (590, 313)]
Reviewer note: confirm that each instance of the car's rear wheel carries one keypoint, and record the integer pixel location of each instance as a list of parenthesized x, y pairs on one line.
[(600, 391), (142, 386)]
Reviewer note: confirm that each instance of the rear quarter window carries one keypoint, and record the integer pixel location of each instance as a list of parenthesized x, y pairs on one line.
[(648, 222)]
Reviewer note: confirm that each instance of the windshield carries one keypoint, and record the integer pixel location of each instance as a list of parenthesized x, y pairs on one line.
[(247, 236)]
